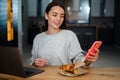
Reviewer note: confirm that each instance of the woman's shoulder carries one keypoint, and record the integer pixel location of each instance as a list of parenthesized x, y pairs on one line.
[(68, 32), (40, 34)]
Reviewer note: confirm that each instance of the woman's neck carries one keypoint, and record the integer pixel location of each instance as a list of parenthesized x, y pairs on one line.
[(53, 31)]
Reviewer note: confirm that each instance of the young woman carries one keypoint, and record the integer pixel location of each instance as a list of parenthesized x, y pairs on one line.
[(57, 46)]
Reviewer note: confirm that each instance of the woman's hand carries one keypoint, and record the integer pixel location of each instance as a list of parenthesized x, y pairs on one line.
[(92, 57), (40, 62)]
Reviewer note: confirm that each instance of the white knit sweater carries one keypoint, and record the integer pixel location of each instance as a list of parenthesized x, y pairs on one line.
[(57, 49)]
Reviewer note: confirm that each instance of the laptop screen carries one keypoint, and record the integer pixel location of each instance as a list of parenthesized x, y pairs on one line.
[(11, 63)]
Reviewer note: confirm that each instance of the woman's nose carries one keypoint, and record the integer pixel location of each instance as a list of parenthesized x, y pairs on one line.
[(58, 18)]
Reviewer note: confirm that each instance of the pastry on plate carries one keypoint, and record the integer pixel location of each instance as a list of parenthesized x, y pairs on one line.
[(68, 67), (73, 68)]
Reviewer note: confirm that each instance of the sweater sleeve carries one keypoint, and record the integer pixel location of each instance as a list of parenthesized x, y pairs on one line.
[(34, 50), (75, 49)]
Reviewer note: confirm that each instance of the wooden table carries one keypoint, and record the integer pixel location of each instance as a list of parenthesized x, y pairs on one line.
[(51, 73)]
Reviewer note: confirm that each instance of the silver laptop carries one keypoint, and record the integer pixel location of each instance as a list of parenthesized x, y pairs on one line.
[(11, 63)]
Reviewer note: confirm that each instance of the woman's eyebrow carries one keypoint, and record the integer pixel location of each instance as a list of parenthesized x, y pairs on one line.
[(57, 13)]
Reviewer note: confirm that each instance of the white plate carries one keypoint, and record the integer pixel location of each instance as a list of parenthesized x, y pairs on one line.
[(81, 72)]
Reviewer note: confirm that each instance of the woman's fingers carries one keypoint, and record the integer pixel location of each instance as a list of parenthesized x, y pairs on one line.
[(40, 62), (92, 57)]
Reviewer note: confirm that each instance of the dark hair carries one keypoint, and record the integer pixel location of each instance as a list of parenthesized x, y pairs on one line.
[(52, 4)]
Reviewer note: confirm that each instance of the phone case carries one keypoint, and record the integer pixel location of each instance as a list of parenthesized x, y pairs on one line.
[(95, 45)]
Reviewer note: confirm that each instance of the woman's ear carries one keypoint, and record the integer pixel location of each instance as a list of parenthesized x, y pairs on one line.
[(46, 17)]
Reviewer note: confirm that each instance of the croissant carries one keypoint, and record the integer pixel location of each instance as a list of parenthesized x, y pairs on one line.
[(68, 67), (73, 68)]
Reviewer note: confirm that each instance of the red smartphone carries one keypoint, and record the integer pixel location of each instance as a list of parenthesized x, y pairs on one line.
[(95, 45)]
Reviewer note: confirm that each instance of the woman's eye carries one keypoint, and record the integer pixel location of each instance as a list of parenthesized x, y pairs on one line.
[(54, 15), (62, 16)]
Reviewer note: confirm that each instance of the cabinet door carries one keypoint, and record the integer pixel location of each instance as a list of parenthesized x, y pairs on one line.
[(109, 8), (102, 8), (95, 8)]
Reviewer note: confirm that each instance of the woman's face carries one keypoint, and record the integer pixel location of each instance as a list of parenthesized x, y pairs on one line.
[(55, 17)]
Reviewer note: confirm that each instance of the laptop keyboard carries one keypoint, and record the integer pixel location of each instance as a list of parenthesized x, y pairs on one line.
[(32, 71)]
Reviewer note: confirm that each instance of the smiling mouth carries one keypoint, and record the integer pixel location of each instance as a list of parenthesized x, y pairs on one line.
[(57, 24)]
